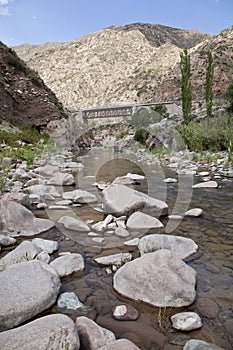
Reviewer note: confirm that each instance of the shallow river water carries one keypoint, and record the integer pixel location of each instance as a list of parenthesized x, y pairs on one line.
[(213, 262)]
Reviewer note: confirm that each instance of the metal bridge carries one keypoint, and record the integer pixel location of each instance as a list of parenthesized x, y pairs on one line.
[(116, 111)]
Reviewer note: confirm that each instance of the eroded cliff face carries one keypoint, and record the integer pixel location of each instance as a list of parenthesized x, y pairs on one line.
[(113, 66), (24, 98)]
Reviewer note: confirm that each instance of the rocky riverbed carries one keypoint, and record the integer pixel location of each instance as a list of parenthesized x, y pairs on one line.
[(116, 251)]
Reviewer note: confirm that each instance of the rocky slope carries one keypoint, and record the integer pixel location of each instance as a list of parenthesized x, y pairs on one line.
[(115, 65), (24, 98), (221, 47)]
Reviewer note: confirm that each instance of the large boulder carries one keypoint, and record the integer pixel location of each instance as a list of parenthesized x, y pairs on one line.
[(16, 220), (67, 264), (122, 200), (46, 170), (45, 245), (160, 279), (92, 336), (141, 221), (18, 197), (183, 247), (26, 289), (49, 332), (62, 179), (24, 252)]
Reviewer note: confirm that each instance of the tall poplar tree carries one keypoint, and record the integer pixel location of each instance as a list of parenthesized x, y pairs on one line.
[(209, 85), (186, 89)]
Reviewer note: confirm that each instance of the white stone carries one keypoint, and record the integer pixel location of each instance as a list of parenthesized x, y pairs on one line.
[(74, 224), (64, 202), (181, 246), (194, 212), (80, 196), (204, 173), (58, 207), (120, 344), (43, 256), (47, 170), (67, 264), (121, 232), (62, 179), (45, 245), (99, 226), (42, 206), (98, 239), (115, 259), (132, 242), (43, 190), (186, 321), (47, 332), (26, 289), (170, 180), (207, 184), (120, 310), (135, 176), (70, 301), (6, 240), (175, 217), (160, 279), (141, 221)]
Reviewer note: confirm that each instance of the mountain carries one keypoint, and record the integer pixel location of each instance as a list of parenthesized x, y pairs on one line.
[(24, 98), (221, 47), (128, 64)]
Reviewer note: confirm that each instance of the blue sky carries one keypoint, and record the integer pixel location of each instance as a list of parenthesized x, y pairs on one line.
[(40, 21)]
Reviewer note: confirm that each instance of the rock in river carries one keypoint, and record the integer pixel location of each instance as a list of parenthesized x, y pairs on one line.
[(16, 220), (122, 200), (196, 344), (48, 332), (186, 321), (141, 221), (67, 264), (181, 246), (26, 289), (159, 279), (75, 224)]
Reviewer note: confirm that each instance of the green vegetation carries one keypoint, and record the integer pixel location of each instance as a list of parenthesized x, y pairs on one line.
[(209, 84), (213, 135), (229, 96), (186, 90), (141, 136)]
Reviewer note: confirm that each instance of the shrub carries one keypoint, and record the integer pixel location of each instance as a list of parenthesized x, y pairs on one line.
[(141, 135)]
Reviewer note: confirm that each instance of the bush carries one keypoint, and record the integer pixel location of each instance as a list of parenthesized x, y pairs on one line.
[(144, 116), (141, 135), (213, 135)]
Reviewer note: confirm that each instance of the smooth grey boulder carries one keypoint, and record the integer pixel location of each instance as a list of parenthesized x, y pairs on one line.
[(67, 264), (6, 240), (75, 224), (80, 196), (45, 245), (181, 246), (160, 279), (16, 220), (92, 336), (186, 321), (121, 232), (46, 170), (26, 289), (50, 332), (62, 179), (122, 200), (196, 344), (141, 221), (24, 252), (120, 344)]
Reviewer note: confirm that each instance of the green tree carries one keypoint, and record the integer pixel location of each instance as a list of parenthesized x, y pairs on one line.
[(209, 84), (229, 96), (186, 89)]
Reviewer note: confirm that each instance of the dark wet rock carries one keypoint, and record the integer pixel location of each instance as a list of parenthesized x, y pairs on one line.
[(16, 220), (159, 279), (49, 332), (121, 232), (92, 336), (26, 289), (207, 308)]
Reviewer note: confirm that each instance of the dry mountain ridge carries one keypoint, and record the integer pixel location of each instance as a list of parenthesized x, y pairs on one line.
[(127, 64)]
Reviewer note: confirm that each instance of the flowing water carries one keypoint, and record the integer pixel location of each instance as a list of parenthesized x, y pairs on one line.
[(213, 262)]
